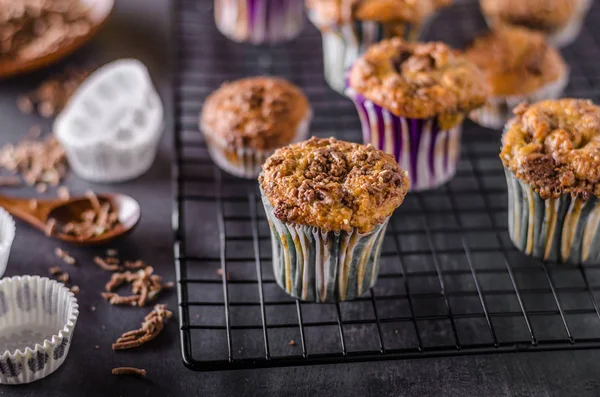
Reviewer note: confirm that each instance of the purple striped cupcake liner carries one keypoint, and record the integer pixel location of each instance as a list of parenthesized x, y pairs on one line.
[(429, 153), (259, 21)]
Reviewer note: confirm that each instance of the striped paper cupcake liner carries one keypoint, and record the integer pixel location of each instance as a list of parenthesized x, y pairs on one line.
[(429, 153), (499, 110), (37, 320), (564, 230), (319, 266), (245, 162), (344, 43), (259, 21)]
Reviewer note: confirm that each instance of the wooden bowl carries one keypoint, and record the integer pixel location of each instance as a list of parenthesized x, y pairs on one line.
[(99, 11)]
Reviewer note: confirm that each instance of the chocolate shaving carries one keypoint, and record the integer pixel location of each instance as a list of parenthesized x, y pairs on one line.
[(103, 263), (151, 327), (75, 289), (64, 278), (116, 299), (55, 270), (64, 255), (129, 371)]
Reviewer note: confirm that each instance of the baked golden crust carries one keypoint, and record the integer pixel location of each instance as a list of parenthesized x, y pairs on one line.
[(554, 146), (344, 11), (545, 15), (418, 80), (261, 113), (333, 185), (516, 61)]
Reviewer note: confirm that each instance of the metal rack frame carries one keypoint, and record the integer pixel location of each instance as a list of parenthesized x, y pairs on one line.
[(451, 281)]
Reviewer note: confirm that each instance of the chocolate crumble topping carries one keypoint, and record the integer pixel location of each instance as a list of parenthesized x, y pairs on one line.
[(333, 185), (554, 146)]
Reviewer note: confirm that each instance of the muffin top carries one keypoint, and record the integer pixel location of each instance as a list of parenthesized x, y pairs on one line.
[(418, 80), (329, 12), (516, 60), (554, 146), (545, 15), (260, 113), (333, 185)]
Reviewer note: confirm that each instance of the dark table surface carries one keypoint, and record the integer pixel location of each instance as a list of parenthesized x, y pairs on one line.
[(87, 369)]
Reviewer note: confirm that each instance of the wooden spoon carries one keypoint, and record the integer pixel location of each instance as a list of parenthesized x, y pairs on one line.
[(99, 11), (64, 211)]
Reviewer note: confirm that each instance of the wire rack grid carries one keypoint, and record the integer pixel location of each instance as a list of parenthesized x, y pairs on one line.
[(451, 281)]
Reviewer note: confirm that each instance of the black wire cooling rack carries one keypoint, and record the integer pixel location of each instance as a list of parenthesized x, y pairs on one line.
[(451, 282)]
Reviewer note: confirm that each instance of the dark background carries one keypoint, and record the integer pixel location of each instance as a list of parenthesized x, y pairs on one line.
[(140, 28)]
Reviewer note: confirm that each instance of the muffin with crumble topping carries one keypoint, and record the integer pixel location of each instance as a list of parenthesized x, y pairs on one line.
[(519, 66), (328, 203), (559, 20), (412, 99), (349, 27), (551, 155), (244, 121)]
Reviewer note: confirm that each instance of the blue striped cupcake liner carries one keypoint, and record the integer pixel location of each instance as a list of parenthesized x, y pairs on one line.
[(429, 154), (315, 265), (344, 43), (259, 21), (564, 229)]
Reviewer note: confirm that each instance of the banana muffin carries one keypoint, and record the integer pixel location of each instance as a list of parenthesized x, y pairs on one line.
[(551, 155), (349, 27), (519, 66), (328, 203), (412, 99), (560, 20), (245, 120)]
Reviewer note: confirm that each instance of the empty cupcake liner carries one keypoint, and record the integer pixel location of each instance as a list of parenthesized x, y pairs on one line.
[(37, 319), (499, 110), (7, 235), (112, 125), (429, 153), (245, 162), (344, 43), (259, 21), (314, 265), (565, 229)]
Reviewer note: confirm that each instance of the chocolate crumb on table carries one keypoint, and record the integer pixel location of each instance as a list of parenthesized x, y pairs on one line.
[(151, 327), (65, 256), (55, 270), (129, 371), (292, 343), (64, 278), (105, 265), (75, 289), (145, 285)]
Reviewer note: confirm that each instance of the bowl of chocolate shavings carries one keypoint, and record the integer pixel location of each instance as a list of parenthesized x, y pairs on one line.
[(36, 33)]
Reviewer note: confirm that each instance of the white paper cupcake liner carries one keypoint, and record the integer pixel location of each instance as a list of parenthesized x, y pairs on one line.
[(315, 265), (246, 162), (259, 21), (344, 43), (499, 110), (112, 125), (37, 319), (7, 235)]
